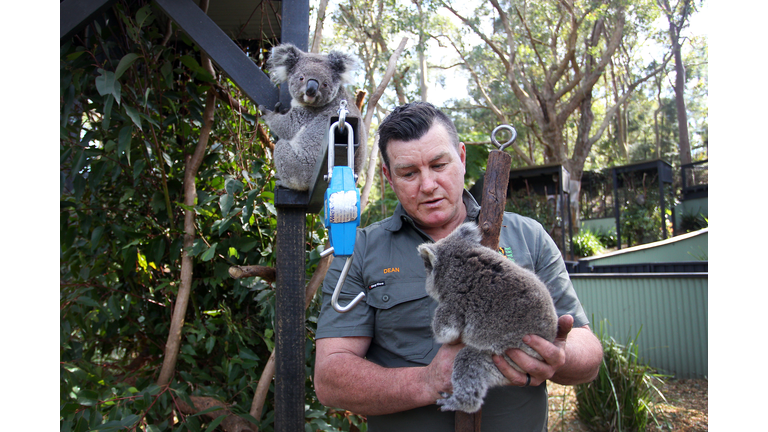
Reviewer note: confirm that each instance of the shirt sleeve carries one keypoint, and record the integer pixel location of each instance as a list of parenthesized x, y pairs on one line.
[(550, 268)]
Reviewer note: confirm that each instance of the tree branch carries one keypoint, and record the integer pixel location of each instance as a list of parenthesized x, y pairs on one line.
[(372, 102)]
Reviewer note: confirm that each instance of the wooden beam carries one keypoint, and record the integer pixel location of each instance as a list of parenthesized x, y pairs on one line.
[(290, 332), (222, 50), (76, 14)]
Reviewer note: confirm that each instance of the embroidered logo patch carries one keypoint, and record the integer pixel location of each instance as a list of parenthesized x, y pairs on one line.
[(375, 285), (507, 252), (392, 270)]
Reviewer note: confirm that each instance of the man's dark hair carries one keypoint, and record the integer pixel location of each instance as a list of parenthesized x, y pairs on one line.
[(410, 122)]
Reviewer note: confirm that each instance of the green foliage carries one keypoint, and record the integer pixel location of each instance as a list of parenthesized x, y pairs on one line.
[(534, 206), (607, 238), (587, 243), (131, 115), (692, 222), (623, 395)]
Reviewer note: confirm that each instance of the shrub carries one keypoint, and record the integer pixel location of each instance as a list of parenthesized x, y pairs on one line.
[(607, 238), (623, 395), (587, 243), (692, 222)]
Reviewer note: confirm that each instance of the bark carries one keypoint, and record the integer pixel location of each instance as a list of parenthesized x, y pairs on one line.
[(269, 274), (675, 27), (318, 37), (193, 163)]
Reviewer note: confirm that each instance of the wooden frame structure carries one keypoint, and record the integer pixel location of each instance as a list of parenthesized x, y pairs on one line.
[(291, 206)]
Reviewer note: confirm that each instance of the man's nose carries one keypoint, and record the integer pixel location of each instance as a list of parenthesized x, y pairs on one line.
[(429, 182)]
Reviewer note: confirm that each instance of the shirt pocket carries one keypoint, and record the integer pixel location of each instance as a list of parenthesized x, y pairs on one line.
[(403, 324)]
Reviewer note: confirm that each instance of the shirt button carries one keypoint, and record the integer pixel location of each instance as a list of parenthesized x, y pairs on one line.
[(385, 297)]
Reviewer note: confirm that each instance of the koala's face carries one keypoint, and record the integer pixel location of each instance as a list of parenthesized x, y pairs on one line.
[(313, 82), (313, 79)]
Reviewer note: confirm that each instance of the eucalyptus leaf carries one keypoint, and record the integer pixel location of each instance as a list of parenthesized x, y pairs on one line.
[(210, 253), (124, 64), (134, 115), (106, 83)]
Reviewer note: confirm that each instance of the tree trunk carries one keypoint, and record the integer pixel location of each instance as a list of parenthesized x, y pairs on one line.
[(318, 37), (193, 163), (675, 27)]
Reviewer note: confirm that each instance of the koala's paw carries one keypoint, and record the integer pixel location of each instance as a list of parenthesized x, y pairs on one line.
[(447, 334), (279, 108), (264, 110), (459, 403)]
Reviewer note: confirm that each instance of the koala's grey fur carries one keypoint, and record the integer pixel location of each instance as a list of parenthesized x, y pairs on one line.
[(489, 303), (316, 84)]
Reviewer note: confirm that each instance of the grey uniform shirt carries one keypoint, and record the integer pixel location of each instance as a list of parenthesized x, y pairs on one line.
[(397, 313)]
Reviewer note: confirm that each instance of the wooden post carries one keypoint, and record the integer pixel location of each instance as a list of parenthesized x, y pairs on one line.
[(494, 199), (289, 318)]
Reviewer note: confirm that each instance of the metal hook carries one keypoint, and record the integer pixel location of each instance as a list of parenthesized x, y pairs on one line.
[(332, 147), (337, 290), (512, 139)]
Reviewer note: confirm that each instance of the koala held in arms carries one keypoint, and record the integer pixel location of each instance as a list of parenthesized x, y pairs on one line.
[(316, 84), (489, 303)]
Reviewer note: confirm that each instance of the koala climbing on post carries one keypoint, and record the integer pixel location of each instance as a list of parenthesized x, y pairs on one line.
[(316, 84), (489, 303)]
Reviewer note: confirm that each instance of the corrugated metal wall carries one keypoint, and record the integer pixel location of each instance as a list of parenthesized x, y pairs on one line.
[(670, 307)]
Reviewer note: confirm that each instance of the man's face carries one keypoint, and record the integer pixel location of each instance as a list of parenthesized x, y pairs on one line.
[(427, 176)]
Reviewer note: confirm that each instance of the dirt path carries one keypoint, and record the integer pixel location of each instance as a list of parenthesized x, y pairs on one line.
[(686, 409)]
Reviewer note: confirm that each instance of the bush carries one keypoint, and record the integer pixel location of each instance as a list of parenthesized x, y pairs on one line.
[(587, 243), (607, 238), (623, 395), (692, 222)]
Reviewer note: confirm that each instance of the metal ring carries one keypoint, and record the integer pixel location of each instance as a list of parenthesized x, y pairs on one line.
[(528, 381), (512, 139)]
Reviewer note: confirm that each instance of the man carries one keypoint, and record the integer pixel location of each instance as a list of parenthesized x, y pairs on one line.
[(379, 359)]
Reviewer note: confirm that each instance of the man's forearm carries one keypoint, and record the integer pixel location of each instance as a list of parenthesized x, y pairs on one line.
[(583, 357), (356, 384)]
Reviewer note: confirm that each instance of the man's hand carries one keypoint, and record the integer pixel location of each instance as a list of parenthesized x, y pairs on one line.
[(555, 355), (438, 373)]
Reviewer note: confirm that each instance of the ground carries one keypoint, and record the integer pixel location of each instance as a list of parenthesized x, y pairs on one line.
[(686, 409)]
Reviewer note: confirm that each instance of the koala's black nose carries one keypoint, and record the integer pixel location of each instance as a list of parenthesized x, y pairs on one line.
[(312, 86)]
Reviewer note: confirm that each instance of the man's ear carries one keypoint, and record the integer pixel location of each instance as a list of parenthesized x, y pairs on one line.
[(463, 154), (387, 174)]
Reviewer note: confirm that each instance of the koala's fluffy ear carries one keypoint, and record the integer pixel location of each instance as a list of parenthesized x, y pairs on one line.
[(283, 59), (428, 255), (343, 64), (469, 232)]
